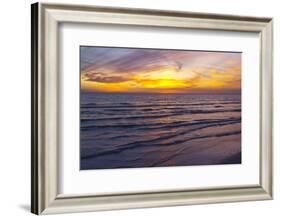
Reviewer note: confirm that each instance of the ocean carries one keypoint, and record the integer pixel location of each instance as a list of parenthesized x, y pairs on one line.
[(131, 130)]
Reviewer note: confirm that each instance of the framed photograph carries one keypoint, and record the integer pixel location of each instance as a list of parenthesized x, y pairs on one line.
[(137, 108)]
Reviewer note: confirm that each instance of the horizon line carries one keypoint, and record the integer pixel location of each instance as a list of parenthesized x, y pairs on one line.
[(205, 92)]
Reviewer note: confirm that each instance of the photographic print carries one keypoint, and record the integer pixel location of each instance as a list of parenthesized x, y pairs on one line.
[(144, 107)]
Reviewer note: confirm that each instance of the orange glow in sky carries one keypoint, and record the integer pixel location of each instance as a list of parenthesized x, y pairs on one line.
[(132, 70)]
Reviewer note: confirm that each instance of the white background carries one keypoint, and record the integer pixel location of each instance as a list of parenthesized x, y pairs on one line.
[(15, 107)]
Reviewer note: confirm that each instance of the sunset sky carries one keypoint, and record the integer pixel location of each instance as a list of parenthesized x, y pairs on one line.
[(133, 70)]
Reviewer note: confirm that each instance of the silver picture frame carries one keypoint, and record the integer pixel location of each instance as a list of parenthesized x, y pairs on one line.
[(45, 21)]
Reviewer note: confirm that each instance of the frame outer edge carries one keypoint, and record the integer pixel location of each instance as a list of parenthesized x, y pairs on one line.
[(143, 11), (44, 109), (44, 151), (267, 109), (87, 204), (34, 109), (50, 110)]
